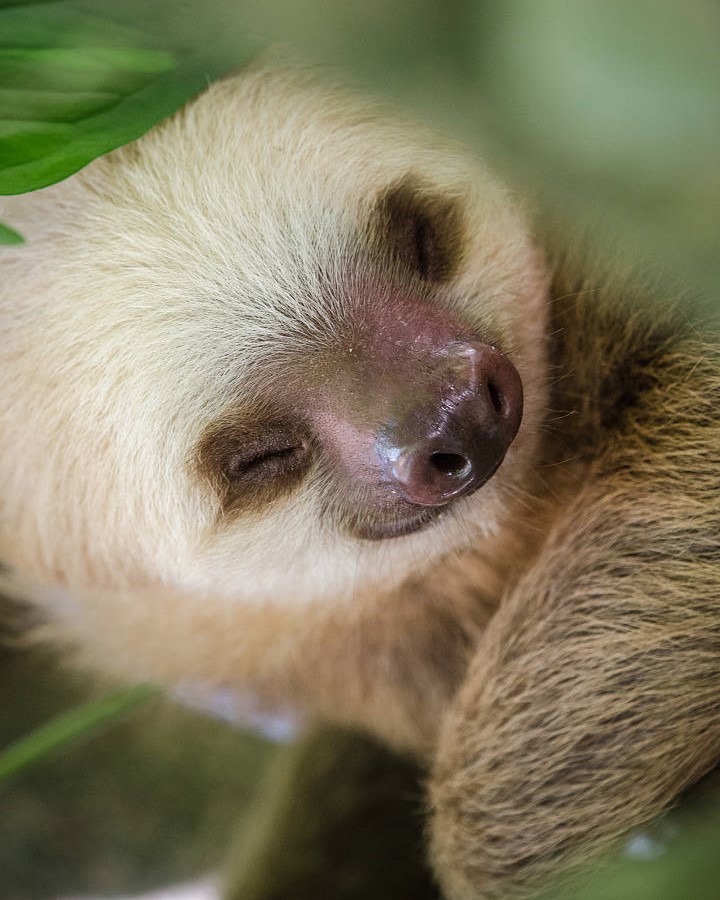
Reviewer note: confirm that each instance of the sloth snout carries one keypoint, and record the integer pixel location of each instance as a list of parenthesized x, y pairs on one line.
[(451, 446)]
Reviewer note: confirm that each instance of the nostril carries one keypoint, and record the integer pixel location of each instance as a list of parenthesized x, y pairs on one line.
[(453, 465), (496, 397)]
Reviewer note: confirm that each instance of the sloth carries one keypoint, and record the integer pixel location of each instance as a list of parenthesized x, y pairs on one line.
[(297, 404)]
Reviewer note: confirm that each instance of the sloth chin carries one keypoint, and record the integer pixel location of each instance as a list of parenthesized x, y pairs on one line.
[(398, 525)]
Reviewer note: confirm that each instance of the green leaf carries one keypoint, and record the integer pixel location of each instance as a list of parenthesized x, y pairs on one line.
[(78, 79), (70, 725), (9, 236)]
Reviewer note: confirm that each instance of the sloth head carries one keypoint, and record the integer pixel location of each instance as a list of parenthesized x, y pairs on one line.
[(281, 346)]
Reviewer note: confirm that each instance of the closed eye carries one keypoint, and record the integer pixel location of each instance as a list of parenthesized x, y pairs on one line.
[(250, 462), (266, 464), (420, 227)]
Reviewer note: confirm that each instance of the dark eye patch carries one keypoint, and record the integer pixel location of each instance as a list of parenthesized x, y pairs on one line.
[(419, 227), (272, 457), (249, 464)]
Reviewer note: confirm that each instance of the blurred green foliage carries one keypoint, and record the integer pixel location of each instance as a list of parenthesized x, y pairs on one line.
[(78, 79), (78, 722), (607, 113), (150, 798), (9, 236), (674, 858)]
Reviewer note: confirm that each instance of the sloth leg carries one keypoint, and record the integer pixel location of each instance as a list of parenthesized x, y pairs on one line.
[(594, 695)]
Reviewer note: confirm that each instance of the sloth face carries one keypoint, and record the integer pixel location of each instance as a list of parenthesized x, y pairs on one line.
[(280, 347)]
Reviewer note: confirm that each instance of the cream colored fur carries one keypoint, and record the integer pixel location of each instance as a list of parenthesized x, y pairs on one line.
[(156, 283), (156, 277)]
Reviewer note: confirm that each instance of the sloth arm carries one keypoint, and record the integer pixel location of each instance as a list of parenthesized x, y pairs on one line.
[(592, 699)]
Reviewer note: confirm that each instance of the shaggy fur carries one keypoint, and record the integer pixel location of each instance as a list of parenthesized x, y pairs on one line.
[(184, 284), (593, 698)]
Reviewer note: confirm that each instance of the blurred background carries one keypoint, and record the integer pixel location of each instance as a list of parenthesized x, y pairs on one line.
[(606, 115)]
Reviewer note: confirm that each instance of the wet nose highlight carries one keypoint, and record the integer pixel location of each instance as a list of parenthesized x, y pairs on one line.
[(451, 447)]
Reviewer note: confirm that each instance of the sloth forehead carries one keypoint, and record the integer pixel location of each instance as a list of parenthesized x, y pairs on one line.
[(245, 210), (264, 183), (251, 222)]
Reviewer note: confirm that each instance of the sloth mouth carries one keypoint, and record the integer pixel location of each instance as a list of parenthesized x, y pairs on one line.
[(398, 526)]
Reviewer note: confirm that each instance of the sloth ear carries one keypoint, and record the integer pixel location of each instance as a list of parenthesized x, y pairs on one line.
[(420, 227)]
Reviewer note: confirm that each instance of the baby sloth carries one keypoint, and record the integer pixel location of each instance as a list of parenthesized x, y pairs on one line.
[(294, 404)]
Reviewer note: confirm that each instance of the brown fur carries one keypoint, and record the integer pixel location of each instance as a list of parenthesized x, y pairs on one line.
[(593, 698)]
